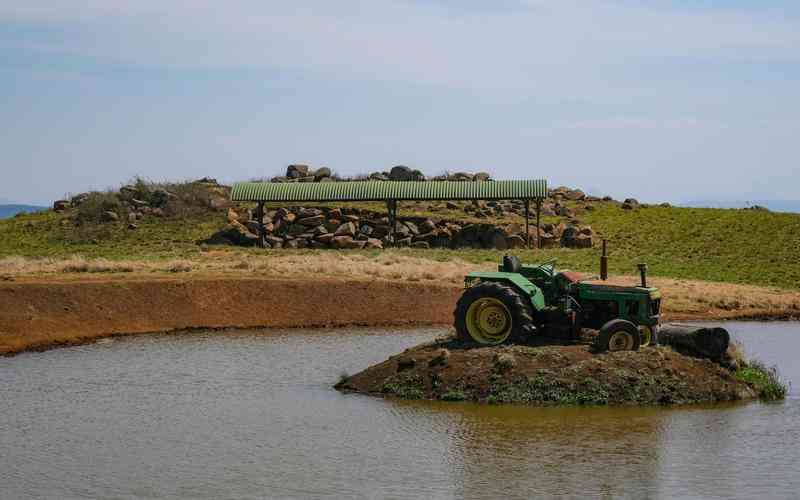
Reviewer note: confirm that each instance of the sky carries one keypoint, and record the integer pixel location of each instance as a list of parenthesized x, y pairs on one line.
[(659, 100)]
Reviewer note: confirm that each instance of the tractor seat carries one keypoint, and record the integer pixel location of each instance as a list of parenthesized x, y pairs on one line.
[(511, 264)]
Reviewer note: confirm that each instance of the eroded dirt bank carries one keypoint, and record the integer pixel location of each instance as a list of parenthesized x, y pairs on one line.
[(38, 315), (552, 374), (42, 312)]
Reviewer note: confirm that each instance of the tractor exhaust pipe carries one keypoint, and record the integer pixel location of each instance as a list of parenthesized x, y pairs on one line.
[(604, 263), (643, 273)]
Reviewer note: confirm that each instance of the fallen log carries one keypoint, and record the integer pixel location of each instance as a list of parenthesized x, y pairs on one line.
[(698, 341)]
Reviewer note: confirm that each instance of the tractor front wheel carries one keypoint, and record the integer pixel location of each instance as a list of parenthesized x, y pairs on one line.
[(492, 313), (618, 335)]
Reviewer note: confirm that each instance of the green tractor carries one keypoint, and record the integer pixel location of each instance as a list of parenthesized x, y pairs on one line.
[(519, 301)]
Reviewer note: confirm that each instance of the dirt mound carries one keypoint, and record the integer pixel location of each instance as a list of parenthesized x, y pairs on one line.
[(548, 375)]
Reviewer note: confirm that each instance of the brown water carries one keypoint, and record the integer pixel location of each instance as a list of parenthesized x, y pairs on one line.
[(253, 415)]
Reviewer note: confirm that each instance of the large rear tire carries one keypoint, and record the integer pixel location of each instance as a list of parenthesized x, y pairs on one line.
[(618, 335), (492, 313)]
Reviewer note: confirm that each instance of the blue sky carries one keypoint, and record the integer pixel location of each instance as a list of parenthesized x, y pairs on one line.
[(659, 100)]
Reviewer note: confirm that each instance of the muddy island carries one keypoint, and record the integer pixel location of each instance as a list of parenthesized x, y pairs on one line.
[(561, 375)]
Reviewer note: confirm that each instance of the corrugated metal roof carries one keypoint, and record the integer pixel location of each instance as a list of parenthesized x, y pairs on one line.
[(388, 190)]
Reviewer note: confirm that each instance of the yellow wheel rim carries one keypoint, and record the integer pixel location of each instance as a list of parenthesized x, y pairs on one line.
[(620, 341), (647, 335), (488, 321)]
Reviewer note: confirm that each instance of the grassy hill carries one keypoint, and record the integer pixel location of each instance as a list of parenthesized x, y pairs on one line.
[(737, 246)]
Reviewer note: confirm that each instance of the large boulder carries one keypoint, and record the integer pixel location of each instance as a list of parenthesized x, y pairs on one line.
[(312, 221), (302, 213), (496, 239), (346, 229), (296, 229), (234, 233), (160, 198), (128, 192), (274, 241), (427, 226), (574, 237), (378, 176), (374, 243), (564, 211), (296, 171), (380, 230), (325, 238), (322, 173), (630, 204), (78, 199), (549, 240), (412, 227), (461, 176), (61, 205), (575, 195), (482, 176), (109, 216), (403, 173), (347, 242), (401, 230)]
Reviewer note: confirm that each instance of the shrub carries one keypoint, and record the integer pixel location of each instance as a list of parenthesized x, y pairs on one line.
[(766, 381), (96, 204)]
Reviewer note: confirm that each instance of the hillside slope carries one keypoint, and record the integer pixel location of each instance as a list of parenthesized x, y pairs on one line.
[(736, 246)]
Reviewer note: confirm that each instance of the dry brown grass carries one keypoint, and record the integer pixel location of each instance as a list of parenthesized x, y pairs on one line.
[(693, 297)]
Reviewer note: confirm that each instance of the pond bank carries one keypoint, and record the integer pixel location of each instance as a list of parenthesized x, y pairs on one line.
[(40, 313)]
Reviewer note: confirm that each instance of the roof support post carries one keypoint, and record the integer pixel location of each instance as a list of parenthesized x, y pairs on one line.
[(527, 217), (261, 243), (391, 207), (538, 225)]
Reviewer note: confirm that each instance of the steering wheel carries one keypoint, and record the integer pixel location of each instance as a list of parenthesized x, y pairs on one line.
[(551, 264)]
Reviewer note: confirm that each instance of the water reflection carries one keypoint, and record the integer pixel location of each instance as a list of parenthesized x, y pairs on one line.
[(518, 451), (253, 415)]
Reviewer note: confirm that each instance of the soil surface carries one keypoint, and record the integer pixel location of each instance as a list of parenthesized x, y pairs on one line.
[(40, 312), (548, 374), (37, 315)]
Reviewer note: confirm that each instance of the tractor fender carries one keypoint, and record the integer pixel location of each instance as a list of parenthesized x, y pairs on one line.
[(519, 282)]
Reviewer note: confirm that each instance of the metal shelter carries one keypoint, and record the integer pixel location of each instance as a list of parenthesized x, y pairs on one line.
[(392, 192)]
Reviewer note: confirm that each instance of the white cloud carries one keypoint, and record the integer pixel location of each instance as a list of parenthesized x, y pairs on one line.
[(545, 45)]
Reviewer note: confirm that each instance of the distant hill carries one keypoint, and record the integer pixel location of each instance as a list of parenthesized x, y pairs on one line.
[(774, 205), (7, 211)]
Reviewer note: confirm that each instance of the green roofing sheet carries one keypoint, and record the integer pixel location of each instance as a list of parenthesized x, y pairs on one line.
[(388, 190)]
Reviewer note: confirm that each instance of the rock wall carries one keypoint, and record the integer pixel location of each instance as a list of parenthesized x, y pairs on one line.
[(350, 227)]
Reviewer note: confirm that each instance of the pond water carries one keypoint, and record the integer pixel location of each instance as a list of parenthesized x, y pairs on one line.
[(253, 415)]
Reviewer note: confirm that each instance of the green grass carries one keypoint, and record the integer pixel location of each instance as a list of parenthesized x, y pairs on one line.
[(735, 246), (406, 388), (49, 234), (766, 381), (454, 395), (540, 390)]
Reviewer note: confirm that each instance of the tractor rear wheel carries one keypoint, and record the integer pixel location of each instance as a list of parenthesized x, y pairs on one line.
[(618, 335), (492, 313)]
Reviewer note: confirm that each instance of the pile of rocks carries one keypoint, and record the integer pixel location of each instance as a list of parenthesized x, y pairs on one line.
[(346, 227), (133, 202), (304, 173)]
